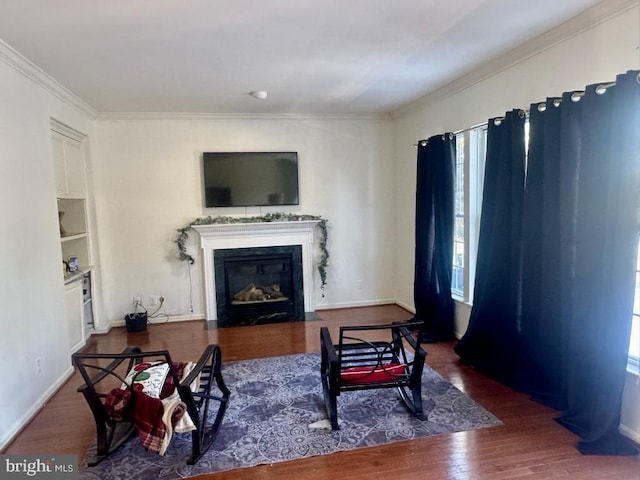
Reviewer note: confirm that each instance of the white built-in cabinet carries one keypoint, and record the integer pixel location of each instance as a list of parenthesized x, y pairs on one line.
[(75, 312), (68, 147), (68, 155)]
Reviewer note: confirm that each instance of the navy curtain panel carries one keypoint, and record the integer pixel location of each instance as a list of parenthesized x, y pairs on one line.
[(490, 343), (434, 237), (548, 233), (579, 256)]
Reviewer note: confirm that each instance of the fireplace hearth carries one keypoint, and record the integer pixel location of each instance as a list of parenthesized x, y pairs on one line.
[(258, 285)]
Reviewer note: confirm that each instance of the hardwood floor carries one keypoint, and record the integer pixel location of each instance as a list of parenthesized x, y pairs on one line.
[(529, 445)]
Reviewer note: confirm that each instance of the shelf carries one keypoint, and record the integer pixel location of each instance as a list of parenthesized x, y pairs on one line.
[(72, 277), (73, 236)]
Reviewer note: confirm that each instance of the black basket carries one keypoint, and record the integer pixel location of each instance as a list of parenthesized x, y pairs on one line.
[(136, 322)]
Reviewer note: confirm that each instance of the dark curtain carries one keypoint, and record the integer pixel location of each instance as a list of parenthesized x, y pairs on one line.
[(546, 248), (434, 237), (579, 257), (553, 302), (490, 343)]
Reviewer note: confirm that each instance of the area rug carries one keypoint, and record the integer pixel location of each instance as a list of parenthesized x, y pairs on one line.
[(276, 414)]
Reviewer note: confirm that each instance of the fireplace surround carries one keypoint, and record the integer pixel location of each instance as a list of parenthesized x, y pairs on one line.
[(258, 285), (254, 235)]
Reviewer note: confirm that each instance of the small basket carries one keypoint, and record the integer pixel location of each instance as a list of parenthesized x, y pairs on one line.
[(136, 321)]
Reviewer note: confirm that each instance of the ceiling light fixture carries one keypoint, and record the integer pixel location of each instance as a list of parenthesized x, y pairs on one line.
[(261, 94)]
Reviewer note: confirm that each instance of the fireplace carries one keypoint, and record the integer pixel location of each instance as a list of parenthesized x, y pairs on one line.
[(258, 285), (216, 238)]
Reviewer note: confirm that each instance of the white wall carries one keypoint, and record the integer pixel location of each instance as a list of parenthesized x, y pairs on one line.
[(31, 282), (147, 182), (594, 55)]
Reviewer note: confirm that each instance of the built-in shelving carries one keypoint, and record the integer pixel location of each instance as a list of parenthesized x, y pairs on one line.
[(75, 243), (82, 271), (73, 236)]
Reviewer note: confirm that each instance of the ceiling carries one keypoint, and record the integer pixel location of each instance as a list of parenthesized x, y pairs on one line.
[(312, 57)]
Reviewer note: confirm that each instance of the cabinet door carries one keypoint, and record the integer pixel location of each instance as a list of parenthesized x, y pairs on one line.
[(74, 163), (57, 142), (74, 311), (68, 164)]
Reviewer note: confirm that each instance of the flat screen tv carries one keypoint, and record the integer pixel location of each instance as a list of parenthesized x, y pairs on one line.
[(248, 179)]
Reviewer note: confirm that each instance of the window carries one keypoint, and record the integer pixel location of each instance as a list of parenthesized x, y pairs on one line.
[(634, 344), (471, 148), (457, 279)]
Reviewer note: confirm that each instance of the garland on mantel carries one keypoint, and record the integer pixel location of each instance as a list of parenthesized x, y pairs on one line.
[(269, 217)]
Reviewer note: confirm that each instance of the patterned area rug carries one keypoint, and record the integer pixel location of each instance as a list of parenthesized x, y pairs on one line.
[(274, 405)]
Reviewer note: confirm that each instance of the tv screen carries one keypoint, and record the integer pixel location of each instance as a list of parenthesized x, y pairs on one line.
[(247, 179)]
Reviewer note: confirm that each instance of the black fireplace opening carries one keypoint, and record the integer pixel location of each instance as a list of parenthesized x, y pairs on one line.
[(259, 285)]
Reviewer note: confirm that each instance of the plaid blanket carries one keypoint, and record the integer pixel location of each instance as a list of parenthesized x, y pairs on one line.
[(154, 406)]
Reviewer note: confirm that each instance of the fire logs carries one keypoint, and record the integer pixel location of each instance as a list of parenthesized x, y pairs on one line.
[(259, 293)]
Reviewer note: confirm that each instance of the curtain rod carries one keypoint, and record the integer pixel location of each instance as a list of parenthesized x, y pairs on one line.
[(575, 96), (457, 132)]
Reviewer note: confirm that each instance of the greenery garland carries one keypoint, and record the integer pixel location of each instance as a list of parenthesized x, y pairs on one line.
[(269, 217)]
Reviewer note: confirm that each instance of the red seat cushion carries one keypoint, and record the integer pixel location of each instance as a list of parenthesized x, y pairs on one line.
[(367, 374)]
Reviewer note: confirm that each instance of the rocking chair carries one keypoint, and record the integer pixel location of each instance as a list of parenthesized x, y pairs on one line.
[(109, 391), (358, 364)]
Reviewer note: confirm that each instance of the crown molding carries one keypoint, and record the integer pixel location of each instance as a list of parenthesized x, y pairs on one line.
[(66, 130), (34, 73), (136, 116), (586, 20)]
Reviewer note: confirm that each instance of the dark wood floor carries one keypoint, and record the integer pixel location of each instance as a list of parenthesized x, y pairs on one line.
[(529, 445)]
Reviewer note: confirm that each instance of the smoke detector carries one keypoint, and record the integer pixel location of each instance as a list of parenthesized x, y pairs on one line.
[(260, 94)]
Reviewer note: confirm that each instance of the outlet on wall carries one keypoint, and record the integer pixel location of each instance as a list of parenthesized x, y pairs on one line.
[(154, 300)]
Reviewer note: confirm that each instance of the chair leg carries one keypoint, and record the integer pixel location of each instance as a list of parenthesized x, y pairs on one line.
[(109, 439), (329, 392), (412, 397), (416, 392), (331, 403), (204, 436)]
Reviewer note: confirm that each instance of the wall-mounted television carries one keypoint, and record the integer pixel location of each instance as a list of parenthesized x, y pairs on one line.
[(248, 179)]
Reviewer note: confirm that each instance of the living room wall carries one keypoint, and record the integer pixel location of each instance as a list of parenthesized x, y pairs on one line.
[(148, 183), (31, 290), (596, 51)]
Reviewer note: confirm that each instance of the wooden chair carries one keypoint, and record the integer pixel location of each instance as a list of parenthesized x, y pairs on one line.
[(195, 391), (356, 363)]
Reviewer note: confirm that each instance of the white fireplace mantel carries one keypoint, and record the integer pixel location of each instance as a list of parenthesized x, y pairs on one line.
[(260, 234)]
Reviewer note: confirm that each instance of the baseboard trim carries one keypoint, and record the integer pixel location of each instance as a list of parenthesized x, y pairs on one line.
[(154, 321), (628, 432), (368, 303), (407, 307), (30, 414), (171, 319)]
